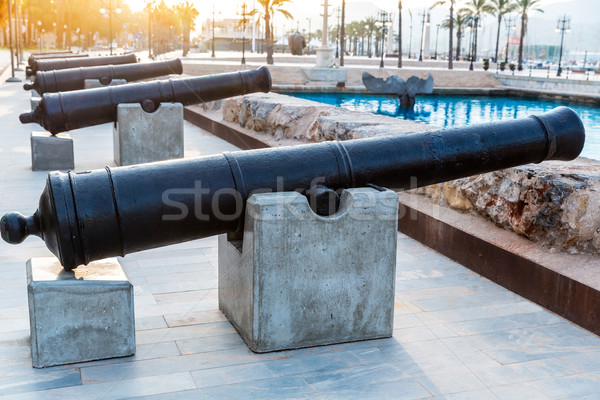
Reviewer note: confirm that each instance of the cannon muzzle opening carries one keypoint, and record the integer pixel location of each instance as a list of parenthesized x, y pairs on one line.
[(27, 86)]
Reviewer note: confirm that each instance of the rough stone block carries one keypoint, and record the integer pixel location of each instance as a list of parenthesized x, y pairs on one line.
[(141, 137), (298, 279), (51, 152), (79, 315), (95, 83)]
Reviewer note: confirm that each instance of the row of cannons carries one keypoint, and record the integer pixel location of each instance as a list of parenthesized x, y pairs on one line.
[(307, 234)]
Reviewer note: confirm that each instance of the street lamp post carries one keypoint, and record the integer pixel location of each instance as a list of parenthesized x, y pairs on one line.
[(12, 78), (150, 29), (337, 36), (383, 23), (399, 33), (213, 33), (509, 27), (422, 36), (244, 14), (470, 28), (437, 34), (563, 25), (110, 33)]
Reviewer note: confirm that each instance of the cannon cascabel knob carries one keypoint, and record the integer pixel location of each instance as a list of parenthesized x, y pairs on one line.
[(15, 227)]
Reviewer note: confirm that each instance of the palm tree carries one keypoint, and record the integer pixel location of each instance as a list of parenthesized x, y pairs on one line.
[(501, 7), (475, 9), (524, 7), (270, 8), (370, 27), (188, 13), (450, 27), (460, 22)]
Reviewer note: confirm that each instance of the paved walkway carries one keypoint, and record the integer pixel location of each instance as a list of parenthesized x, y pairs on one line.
[(457, 335)]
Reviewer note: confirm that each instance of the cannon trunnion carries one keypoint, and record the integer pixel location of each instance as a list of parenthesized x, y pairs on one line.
[(92, 215)]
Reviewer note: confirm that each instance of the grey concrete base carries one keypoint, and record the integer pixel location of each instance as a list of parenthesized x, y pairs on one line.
[(325, 57), (300, 280), (141, 137), (51, 152), (326, 74), (95, 83), (35, 101), (80, 315)]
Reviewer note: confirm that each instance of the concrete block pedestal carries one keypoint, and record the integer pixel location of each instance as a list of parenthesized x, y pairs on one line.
[(95, 83), (299, 280), (51, 152), (141, 137), (35, 99), (80, 315)]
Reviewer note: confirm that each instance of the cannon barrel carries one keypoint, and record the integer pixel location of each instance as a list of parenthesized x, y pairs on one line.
[(92, 215), (66, 80), (51, 54), (77, 60), (60, 112)]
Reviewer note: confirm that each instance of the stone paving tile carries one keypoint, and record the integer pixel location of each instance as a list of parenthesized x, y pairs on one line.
[(211, 343), (574, 386), (279, 388), (168, 365), (127, 388), (521, 391), (190, 295), (478, 394), (526, 320), (183, 332), (401, 389), (449, 383), (148, 323), (39, 381)]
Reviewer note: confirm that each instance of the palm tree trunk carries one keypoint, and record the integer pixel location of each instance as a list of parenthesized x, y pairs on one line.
[(268, 37), (458, 37), (523, 18), (474, 57), (498, 37), (400, 34), (451, 31)]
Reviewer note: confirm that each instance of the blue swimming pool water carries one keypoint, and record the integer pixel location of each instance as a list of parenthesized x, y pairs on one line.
[(451, 111)]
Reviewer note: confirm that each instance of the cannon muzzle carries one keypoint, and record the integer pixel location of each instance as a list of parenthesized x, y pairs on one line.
[(60, 112), (66, 80), (76, 60), (92, 215)]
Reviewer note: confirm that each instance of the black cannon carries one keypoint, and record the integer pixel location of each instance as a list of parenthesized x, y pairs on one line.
[(77, 60), (60, 112), (92, 215), (66, 80), (51, 54)]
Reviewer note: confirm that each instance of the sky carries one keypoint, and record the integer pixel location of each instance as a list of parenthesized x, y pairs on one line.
[(585, 17), (229, 6)]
